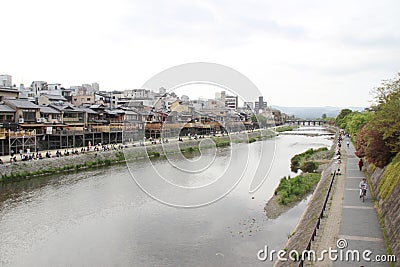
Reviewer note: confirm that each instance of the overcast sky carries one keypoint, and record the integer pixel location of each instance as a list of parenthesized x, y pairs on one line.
[(298, 53)]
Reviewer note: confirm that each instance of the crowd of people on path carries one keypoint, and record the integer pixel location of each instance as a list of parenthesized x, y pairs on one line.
[(28, 156), (37, 155), (338, 153)]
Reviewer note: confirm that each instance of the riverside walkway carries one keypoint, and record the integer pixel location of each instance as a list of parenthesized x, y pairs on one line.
[(360, 228), (349, 222)]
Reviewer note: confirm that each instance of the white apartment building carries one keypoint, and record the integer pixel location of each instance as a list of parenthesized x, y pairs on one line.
[(142, 94), (231, 102)]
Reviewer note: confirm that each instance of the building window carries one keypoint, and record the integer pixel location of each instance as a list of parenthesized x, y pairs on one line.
[(6, 118), (29, 116)]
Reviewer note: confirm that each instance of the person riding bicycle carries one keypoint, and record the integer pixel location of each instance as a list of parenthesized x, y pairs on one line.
[(363, 187)]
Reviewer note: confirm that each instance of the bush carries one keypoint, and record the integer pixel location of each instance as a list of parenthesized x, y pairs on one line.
[(252, 140), (219, 142), (153, 154), (296, 161), (309, 166)]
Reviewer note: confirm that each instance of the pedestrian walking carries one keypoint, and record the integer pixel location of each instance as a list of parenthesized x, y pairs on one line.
[(360, 164)]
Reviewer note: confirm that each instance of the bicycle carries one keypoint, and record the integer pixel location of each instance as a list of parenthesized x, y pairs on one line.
[(363, 194)]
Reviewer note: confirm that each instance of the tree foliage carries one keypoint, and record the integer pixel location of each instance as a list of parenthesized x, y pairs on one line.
[(379, 138), (352, 122), (343, 113)]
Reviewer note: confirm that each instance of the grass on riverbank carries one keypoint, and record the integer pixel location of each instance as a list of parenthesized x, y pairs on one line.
[(293, 189), (118, 157), (221, 142), (285, 128), (302, 161)]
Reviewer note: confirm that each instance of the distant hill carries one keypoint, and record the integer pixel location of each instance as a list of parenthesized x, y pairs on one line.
[(314, 112)]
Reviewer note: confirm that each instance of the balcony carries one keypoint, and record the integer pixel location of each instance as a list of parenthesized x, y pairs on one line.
[(12, 134), (73, 120)]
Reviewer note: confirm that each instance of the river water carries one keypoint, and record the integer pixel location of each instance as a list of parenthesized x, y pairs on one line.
[(103, 218)]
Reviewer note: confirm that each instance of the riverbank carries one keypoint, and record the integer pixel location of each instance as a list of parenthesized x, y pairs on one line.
[(91, 159), (310, 160), (290, 192)]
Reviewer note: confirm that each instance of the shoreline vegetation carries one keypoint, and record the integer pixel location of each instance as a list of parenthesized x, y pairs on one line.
[(289, 197), (285, 128), (291, 191), (94, 159), (310, 160)]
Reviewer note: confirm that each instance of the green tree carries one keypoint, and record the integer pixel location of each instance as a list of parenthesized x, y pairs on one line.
[(387, 121), (379, 139), (354, 121), (343, 113)]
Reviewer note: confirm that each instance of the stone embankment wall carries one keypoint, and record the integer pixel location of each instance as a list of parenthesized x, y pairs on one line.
[(388, 204), (46, 166)]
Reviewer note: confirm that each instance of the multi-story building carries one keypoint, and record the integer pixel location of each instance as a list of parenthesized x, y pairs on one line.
[(139, 94), (88, 99), (50, 115), (199, 104), (260, 105), (96, 87), (248, 105), (180, 106), (86, 88), (220, 96), (231, 102), (6, 80), (7, 115), (25, 112), (38, 86), (8, 92), (48, 99)]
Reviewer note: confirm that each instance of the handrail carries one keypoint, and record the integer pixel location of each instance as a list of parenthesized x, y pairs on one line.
[(318, 222)]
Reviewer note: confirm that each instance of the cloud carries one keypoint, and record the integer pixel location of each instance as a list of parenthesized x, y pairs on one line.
[(289, 48)]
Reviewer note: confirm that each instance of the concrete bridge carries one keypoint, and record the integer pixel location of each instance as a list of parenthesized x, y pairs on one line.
[(306, 122)]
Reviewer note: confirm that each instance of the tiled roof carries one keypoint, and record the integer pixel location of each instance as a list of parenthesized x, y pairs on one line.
[(48, 110), (18, 103), (5, 108), (55, 97), (88, 110)]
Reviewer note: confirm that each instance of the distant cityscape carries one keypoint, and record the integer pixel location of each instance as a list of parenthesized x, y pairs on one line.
[(49, 116)]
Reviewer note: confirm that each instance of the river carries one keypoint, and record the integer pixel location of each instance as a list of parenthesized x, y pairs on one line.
[(103, 218)]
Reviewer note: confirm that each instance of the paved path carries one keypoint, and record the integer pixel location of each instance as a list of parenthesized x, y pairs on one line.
[(328, 232), (359, 225)]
